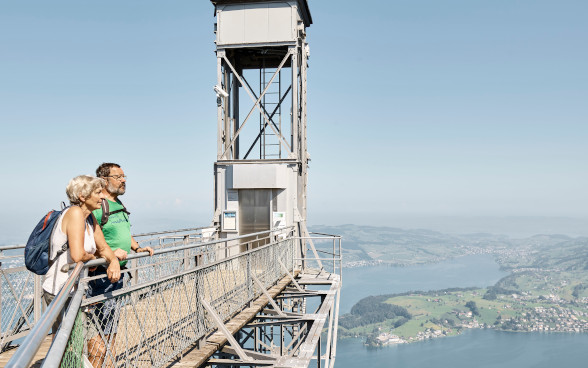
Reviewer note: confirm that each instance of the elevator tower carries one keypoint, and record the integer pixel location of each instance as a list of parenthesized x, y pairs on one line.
[(262, 159)]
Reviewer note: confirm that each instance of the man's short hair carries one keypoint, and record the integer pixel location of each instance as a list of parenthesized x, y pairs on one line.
[(104, 170)]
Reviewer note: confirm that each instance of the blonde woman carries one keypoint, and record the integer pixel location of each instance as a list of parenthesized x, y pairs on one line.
[(79, 229)]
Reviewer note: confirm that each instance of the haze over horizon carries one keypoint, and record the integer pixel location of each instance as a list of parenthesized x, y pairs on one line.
[(457, 116)]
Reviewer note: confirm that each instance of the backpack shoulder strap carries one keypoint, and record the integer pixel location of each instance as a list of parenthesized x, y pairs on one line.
[(105, 212), (64, 246), (59, 253), (124, 209)]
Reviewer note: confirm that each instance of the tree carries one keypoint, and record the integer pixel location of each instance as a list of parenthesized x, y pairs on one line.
[(490, 295), (400, 322), (471, 305)]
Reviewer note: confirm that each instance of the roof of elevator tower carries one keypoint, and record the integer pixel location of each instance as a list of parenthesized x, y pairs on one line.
[(302, 5)]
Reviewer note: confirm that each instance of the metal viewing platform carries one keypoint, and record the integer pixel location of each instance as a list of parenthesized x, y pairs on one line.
[(186, 307)]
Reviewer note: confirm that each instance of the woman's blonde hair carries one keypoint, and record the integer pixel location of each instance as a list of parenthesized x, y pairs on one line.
[(82, 186)]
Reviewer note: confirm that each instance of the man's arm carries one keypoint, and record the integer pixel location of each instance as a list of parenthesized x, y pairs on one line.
[(135, 246)]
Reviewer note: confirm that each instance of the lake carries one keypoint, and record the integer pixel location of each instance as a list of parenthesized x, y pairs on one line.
[(474, 348), (476, 270)]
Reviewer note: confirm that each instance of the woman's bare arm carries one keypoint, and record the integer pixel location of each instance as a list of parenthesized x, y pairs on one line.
[(74, 225)]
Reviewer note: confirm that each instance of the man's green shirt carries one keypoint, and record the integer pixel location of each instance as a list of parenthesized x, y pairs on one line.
[(117, 230)]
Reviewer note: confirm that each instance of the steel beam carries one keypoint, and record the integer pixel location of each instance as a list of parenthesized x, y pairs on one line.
[(269, 298), (221, 326), (256, 103)]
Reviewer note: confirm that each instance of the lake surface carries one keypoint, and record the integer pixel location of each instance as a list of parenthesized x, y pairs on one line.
[(474, 348), (477, 270)]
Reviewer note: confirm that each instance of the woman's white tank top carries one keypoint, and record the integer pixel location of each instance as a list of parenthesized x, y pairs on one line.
[(55, 278)]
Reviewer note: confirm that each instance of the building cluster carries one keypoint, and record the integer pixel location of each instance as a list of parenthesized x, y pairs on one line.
[(429, 333), (387, 338), (363, 263), (539, 319), (554, 319)]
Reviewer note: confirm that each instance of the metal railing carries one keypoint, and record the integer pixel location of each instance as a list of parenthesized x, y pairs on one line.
[(323, 251), (159, 312), (21, 303), (24, 355)]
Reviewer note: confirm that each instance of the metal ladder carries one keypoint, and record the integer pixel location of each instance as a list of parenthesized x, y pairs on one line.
[(270, 146)]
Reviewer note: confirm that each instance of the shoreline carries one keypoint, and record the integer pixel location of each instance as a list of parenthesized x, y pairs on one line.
[(449, 312), (401, 341)]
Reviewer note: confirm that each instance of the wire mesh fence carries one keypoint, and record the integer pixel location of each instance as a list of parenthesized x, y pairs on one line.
[(17, 297), (73, 355), (21, 294), (150, 322)]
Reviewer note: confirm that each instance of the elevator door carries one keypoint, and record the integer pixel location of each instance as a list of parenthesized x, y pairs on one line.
[(254, 212)]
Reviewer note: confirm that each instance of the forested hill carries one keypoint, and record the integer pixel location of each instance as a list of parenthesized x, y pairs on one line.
[(373, 309)]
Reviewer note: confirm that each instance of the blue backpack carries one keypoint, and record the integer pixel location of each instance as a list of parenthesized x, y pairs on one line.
[(39, 244)]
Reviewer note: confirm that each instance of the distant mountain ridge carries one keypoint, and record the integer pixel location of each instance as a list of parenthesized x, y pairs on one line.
[(365, 245)]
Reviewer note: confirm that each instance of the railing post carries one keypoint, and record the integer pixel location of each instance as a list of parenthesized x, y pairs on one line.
[(302, 248), (292, 248), (340, 262), (134, 279), (186, 254), (250, 288), (38, 297), (334, 257)]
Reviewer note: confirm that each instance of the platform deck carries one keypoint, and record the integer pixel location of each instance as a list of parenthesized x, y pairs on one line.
[(37, 360), (196, 357)]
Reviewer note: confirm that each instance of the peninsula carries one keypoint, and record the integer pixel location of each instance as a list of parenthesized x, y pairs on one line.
[(546, 289)]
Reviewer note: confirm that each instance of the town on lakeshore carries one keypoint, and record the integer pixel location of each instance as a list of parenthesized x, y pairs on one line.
[(447, 313)]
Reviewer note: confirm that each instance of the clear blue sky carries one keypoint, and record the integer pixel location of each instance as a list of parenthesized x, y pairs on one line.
[(417, 109)]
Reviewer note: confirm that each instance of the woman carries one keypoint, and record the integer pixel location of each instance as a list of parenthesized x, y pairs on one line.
[(79, 228)]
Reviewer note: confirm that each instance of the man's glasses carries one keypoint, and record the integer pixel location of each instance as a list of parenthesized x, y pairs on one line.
[(117, 177)]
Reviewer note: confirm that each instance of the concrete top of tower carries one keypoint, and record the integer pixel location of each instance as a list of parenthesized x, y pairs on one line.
[(302, 5)]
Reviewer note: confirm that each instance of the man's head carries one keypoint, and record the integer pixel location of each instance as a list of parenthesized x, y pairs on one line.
[(116, 182)]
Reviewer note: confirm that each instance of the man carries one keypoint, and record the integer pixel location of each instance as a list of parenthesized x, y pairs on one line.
[(117, 233), (117, 228)]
